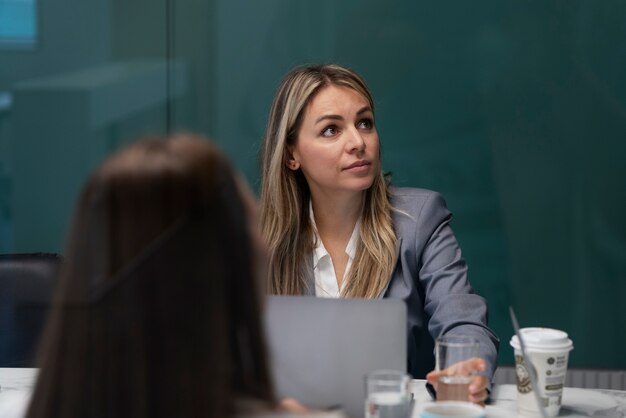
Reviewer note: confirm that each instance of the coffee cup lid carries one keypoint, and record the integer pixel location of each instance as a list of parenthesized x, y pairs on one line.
[(543, 339)]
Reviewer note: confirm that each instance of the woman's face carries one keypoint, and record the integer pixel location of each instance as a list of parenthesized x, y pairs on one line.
[(337, 144)]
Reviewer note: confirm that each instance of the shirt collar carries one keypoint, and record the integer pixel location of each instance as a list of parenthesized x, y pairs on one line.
[(320, 251), (351, 247)]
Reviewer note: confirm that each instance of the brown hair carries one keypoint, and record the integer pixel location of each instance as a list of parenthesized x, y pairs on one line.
[(157, 313), (285, 194)]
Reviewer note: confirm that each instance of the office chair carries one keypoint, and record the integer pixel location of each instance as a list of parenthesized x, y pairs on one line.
[(27, 282)]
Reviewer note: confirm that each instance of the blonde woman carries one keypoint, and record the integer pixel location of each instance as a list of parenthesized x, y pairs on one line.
[(335, 228)]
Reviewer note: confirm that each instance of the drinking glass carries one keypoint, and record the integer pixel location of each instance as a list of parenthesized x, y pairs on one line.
[(388, 394), (451, 351)]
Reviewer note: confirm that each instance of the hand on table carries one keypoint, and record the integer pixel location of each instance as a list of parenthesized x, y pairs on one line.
[(478, 387), (293, 406)]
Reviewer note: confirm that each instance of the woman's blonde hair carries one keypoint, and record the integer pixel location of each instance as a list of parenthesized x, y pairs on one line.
[(285, 219)]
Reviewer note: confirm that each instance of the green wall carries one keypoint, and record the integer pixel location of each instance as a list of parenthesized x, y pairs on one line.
[(515, 111)]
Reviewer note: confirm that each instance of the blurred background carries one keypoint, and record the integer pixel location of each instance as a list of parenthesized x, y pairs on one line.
[(515, 111)]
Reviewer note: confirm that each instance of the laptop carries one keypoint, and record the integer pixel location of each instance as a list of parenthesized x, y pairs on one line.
[(321, 349)]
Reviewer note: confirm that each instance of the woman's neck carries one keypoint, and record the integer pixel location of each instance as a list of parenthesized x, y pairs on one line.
[(335, 216)]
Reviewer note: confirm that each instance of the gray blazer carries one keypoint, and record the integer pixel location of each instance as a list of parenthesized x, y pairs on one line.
[(431, 277)]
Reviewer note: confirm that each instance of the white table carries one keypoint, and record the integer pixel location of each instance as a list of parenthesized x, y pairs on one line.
[(17, 384), (597, 403)]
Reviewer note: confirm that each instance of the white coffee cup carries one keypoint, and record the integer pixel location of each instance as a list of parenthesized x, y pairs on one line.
[(447, 409), (548, 350)]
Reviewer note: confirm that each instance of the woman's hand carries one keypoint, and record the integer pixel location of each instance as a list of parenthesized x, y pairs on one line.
[(293, 406), (477, 388)]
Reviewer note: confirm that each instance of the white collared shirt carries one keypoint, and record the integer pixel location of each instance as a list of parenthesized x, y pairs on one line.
[(325, 279)]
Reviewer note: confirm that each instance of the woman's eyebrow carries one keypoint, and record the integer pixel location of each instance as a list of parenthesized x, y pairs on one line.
[(326, 117), (364, 109)]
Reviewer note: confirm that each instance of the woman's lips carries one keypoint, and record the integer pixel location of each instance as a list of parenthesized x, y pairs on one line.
[(358, 165)]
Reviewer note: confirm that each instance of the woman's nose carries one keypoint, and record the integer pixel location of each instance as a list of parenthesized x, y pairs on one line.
[(356, 142)]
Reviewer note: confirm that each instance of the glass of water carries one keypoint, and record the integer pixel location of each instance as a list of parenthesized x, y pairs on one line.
[(388, 394), (452, 352)]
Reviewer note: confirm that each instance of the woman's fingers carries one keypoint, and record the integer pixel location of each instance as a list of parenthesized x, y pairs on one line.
[(478, 387), (467, 367), (478, 390), (293, 406), (433, 377), (462, 368)]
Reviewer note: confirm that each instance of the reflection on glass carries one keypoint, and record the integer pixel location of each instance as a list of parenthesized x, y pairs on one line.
[(18, 23), (514, 110)]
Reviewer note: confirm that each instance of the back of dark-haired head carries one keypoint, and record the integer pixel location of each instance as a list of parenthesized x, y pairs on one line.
[(157, 313)]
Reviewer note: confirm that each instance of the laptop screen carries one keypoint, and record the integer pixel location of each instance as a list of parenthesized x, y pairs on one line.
[(321, 349)]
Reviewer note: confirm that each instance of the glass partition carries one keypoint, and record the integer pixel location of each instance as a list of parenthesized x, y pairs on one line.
[(18, 24), (88, 86), (515, 111)]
